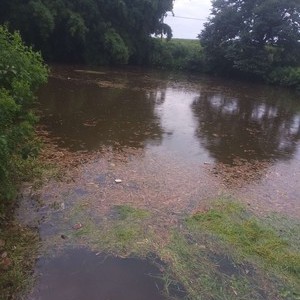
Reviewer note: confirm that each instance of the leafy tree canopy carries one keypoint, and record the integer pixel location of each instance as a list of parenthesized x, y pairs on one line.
[(92, 31), (252, 36)]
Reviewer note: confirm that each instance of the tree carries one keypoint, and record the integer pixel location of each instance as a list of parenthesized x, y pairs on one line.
[(252, 36), (91, 31)]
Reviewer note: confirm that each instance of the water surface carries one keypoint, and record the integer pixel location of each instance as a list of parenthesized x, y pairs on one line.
[(194, 116), (80, 274), (248, 134)]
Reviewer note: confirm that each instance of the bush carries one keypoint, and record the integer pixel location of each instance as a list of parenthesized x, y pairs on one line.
[(176, 54), (22, 71), (286, 76)]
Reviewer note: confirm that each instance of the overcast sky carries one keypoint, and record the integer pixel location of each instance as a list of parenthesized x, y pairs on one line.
[(188, 28)]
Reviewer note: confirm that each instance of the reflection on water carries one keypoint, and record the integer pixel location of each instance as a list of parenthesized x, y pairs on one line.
[(86, 116), (257, 125), (198, 118)]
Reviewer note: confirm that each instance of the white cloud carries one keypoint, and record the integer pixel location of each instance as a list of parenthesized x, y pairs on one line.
[(188, 28)]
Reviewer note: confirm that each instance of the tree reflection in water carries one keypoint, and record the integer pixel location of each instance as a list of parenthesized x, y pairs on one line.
[(89, 111), (245, 133)]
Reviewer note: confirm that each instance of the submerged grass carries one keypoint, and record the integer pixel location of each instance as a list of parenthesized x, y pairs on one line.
[(124, 233), (127, 212), (249, 236)]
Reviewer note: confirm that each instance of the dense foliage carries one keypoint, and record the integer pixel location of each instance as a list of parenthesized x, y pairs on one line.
[(176, 54), (91, 31), (254, 38), (21, 73)]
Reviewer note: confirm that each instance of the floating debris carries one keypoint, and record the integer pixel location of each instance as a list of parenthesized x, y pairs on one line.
[(77, 226)]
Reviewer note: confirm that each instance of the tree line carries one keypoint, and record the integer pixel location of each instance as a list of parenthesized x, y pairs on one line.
[(254, 39), (88, 31)]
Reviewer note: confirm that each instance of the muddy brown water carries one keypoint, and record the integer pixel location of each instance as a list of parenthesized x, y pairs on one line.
[(225, 136), (80, 274), (175, 141)]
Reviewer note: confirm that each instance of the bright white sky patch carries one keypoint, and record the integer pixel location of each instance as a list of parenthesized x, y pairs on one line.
[(188, 28)]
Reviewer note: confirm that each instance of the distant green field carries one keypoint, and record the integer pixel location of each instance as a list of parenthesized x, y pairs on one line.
[(192, 41)]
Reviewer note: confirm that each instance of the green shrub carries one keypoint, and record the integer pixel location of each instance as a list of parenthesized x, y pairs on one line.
[(286, 76), (21, 72), (177, 54)]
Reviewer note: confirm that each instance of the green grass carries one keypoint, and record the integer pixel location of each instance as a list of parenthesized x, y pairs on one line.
[(125, 233), (252, 240), (205, 276), (21, 245), (126, 212), (248, 236)]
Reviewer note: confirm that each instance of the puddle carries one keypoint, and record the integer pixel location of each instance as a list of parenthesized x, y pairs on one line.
[(80, 274)]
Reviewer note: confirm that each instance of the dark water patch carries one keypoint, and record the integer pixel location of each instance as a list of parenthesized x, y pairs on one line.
[(81, 274), (80, 192), (133, 186), (102, 179), (226, 265)]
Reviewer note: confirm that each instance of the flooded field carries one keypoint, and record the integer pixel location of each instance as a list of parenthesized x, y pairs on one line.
[(164, 144)]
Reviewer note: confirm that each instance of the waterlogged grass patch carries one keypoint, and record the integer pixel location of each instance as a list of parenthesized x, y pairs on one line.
[(18, 250), (207, 275), (125, 233), (128, 233), (128, 212), (252, 240)]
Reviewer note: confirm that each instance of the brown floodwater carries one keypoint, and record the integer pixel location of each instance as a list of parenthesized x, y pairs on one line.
[(176, 141), (226, 136), (199, 118)]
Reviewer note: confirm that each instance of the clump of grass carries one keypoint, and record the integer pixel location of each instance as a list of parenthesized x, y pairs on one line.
[(126, 233), (21, 246), (248, 235), (191, 264)]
